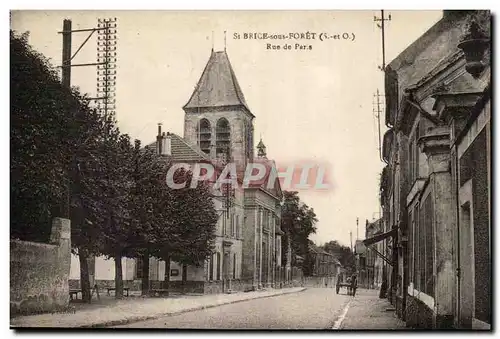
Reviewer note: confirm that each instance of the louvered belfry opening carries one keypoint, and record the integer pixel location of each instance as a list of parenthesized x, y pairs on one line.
[(223, 138), (204, 135)]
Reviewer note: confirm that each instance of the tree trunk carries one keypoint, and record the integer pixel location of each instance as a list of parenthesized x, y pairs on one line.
[(145, 274), (118, 277), (167, 274), (184, 278), (84, 276)]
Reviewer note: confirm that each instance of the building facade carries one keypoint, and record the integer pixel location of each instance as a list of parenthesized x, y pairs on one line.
[(436, 185), (374, 263), (325, 264)]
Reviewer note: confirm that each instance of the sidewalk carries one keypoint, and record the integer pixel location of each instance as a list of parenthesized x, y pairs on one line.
[(366, 311), (138, 309)]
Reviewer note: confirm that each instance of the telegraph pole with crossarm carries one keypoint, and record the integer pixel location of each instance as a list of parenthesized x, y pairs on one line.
[(106, 63), (382, 27)]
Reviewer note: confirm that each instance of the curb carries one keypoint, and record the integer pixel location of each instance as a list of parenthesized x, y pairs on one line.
[(169, 314)]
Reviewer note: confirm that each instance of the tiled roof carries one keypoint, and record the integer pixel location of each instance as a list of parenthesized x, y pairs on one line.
[(270, 165), (183, 151), (217, 85), (319, 250)]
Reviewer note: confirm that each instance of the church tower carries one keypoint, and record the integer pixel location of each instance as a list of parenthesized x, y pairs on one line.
[(217, 117)]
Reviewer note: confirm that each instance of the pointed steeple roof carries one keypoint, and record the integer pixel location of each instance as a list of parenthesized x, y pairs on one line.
[(217, 86), (261, 149)]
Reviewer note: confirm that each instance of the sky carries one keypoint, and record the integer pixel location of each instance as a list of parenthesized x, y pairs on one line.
[(310, 104)]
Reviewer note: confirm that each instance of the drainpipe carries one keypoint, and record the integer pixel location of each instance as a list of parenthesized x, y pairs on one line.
[(459, 273)]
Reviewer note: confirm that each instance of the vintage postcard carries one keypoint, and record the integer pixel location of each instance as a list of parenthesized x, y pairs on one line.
[(270, 170)]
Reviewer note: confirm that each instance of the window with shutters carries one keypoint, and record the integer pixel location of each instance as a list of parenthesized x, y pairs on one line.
[(411, 222), (219, 266), (424, 236), (429, 246), (421, 244), (416, 249), (237, 227), (233, 226), (211, 268), (234, 265)]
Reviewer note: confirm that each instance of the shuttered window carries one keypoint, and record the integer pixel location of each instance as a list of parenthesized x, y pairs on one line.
[(429, 245)]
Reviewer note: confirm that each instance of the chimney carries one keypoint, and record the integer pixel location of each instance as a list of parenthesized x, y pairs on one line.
[(166, 144), (159, 140)]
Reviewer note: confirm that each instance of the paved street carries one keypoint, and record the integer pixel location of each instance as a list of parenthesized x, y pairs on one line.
[(315, 308)]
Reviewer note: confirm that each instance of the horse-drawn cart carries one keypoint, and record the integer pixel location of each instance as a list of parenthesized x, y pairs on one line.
[(350, 286)]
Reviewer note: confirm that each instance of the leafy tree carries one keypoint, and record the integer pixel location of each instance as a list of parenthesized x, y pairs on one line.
[(189, 233), (297, 221), (56, 140), (40, 140), (114, 189), (85, 174), (170, 224), (343, 253), (149, 204)]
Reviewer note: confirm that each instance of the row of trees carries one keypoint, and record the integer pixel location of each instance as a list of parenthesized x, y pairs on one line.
[(298, 221), (65, 153)]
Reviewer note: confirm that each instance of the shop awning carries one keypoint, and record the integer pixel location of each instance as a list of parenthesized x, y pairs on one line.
[(380, 237)]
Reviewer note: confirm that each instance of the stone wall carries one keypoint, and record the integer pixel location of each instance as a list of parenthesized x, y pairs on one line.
[(242, 285), (237, 285), (39, 272), (212, 287), (178, 286), (320, 281)]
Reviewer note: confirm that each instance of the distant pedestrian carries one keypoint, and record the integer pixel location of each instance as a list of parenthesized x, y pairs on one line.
[(354, 284)]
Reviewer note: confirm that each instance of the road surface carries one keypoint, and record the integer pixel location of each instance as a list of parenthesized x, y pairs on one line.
[(314, 308)]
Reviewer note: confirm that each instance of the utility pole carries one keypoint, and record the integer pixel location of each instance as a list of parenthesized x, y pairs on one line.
[(382, 27), (66, 82), (66, 66), (66, 54), (106, 55), (377, 110), (350, 235), (357, 228)]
